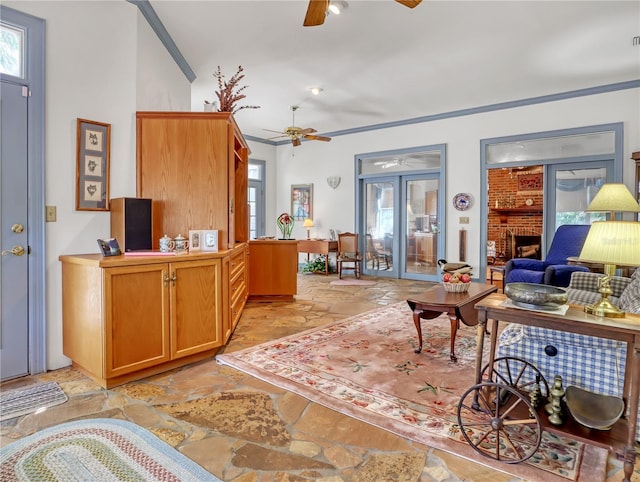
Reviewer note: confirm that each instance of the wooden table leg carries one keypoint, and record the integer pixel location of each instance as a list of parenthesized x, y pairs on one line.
[(416, 321), (455, 323)]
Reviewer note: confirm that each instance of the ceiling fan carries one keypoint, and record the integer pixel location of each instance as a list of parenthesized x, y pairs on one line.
[(296, 133), (317, 10)]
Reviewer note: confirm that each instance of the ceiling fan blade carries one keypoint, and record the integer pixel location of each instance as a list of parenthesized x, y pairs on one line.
[(318, 138), (304, 132), (316, 13), (269, 130), (295, 141), (409, 3)]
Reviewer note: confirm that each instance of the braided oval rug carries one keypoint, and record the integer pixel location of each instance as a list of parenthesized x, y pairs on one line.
[(98, 449)]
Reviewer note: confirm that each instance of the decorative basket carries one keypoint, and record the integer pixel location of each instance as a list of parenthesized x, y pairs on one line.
[(456, 287)]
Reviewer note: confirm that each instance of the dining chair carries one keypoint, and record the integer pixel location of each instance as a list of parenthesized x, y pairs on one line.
[(348, 252)]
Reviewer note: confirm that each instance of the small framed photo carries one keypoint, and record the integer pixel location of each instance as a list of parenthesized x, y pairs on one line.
[(302, 201), (195, 240), (92, 165), (109, 247), (209, 240)]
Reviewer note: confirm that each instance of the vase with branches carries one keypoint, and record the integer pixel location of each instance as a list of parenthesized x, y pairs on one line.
[(229, 92)]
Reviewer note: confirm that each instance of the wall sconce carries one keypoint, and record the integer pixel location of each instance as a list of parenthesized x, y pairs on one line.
[(333, 181), (308, 223)]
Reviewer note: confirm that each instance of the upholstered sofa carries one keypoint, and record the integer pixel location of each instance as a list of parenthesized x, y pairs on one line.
[(592, 363)]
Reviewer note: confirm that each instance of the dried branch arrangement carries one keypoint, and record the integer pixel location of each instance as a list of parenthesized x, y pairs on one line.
[(229, 92)]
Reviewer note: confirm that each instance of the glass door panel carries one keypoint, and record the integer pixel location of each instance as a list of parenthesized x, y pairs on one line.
[(571, 188), (380, 222), (421, 226)]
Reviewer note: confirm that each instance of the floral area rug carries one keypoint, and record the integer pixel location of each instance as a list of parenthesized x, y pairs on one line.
[(365, 367), (100, 449)]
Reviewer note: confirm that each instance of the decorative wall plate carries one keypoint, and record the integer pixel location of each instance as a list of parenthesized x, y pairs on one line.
[(462, 201)]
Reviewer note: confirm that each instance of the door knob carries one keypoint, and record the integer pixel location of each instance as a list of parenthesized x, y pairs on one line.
[(16, 251)]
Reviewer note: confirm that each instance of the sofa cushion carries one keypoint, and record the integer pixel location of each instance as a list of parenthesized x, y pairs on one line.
[(586, 281), (630, 297)]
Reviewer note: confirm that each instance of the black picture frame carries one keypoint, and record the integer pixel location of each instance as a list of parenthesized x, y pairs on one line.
[(92, 165)]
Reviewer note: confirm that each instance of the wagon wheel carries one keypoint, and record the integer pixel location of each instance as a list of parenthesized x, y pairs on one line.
[(509, 431), (516, 373)]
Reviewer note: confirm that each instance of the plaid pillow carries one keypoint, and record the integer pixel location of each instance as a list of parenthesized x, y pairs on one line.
[(630, 298), (588, 281)]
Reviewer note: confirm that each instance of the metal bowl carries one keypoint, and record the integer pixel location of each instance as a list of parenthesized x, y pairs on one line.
[(592, 409), (535, 296)]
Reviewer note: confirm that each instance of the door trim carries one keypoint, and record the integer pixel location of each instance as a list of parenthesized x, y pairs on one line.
[(35, 81), (617, 128)]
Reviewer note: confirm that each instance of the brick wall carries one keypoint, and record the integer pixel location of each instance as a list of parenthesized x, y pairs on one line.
[(503, 193)]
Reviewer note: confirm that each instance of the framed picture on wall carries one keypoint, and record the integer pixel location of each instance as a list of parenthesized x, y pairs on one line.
[(92, 165), (302, 201)]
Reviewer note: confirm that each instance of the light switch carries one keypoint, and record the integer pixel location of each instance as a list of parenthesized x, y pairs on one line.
[(464, 220), (50, 214)]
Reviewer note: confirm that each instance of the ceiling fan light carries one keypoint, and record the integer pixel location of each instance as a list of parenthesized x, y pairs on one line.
[(337, 6)]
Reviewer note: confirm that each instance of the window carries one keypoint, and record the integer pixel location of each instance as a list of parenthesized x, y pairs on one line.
[(11, 51), (256, 199)]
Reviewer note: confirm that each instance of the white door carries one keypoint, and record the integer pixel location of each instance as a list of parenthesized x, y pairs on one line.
[(14, 265)]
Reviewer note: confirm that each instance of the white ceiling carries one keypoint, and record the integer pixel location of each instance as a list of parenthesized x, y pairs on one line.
[(381, 62)]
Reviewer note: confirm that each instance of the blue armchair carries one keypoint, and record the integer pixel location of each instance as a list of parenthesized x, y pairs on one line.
[(553, 270)]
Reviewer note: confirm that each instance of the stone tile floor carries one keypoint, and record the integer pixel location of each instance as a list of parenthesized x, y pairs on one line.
[(241, 429)]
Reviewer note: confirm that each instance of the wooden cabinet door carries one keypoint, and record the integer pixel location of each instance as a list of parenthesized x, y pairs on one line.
[(136, 318), (196, 306)]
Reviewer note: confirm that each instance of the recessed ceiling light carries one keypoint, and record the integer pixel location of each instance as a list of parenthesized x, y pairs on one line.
[(316, 90)]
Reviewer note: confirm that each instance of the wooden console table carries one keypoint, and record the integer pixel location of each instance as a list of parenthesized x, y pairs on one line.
[(621, 437), (318, 246)]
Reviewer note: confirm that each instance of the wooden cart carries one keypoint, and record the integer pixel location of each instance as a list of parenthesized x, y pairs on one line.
[(496, 415)]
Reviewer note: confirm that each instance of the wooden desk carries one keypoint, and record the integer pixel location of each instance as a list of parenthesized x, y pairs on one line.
[(318, 246), (627, 329), (458, 306), (273, 270)]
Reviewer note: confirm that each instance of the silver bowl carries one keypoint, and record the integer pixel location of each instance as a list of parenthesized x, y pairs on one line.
[(592, 409), (535, 296)]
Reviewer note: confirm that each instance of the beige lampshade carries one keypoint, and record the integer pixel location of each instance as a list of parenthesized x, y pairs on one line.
[(613, 243), (308, 223), (614, 197)]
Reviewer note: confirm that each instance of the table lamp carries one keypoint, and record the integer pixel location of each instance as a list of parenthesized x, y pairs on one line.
[(308, 223), (610, 243), (614, 197)]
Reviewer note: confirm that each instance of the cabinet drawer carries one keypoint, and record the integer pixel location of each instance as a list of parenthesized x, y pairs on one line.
[(237, 286), (237, 263)]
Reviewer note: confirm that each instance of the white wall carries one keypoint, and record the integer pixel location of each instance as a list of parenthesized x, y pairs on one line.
[(92, 63), (161, 85), (315, 161)]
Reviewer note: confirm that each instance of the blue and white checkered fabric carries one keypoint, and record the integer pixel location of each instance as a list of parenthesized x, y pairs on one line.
[(581, 360)]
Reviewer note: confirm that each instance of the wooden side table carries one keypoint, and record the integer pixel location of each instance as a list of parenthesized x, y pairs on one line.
[(458, 306), (621, 436), (496, 269)]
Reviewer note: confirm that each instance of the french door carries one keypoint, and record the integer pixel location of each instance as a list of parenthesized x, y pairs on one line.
[(401, 226)]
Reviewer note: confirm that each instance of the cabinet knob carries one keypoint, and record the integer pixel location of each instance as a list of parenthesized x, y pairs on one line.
[(173, 278)]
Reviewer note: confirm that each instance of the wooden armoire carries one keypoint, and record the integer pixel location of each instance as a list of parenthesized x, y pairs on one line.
[(194, 165)]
